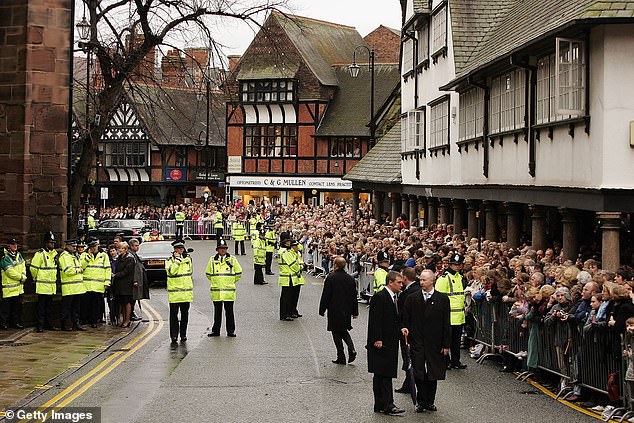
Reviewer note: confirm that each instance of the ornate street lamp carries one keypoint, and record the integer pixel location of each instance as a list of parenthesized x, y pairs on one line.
[(83, 28), (354, 69)]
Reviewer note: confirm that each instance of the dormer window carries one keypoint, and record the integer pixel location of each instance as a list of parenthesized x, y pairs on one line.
[(268, 91)]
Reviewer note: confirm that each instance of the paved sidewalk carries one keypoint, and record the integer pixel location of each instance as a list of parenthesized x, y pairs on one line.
[(29, 360)]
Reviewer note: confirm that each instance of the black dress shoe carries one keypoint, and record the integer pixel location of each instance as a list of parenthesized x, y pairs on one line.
[(394, 410), (210, 334), (377, 410), (231, 335), (93, 325), (40, 330), (288, 319), (430, 407), (339, 361), (459, 366), (265, 283), (53, 328), (79, 328), (420, 409), (183, 339), (19, 326), (174, 341), (4, 327), (269, 273), (506, 369), (135, 318), (353, 356), (67, 329), (402, 390)]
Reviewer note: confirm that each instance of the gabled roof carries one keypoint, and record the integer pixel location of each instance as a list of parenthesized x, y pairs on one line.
[(175, 116), (320, 44), (382, 164), (348, 113), (520, 22)]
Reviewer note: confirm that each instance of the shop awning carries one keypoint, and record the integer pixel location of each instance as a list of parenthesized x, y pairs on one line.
[(127, 175)]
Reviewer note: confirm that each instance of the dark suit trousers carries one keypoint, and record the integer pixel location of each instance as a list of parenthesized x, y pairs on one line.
[(295, 299), (404, 355), (340, 337), (456, 335), (44, 311), (235, 247), (93, 300), (219, 232), (231, 323), (383, 393), (71, 308), (177, 327), (258, 276), (11, 310), (425, 391), (286, 302), (269, 260)]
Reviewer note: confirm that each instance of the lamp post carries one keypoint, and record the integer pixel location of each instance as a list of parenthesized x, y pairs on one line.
[(354, 69), (83, 28), (207, 152)]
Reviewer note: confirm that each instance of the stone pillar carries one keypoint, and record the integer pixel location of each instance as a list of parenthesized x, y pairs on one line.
[(491, 224), (538, 235), (405, 205), (432, 211), (570, 235), (377, 201), (513, 224), (458, 215), (34, 97), (473, 208), (443, 210), (395, 206), (355, 202), (610, 224), (413, 208), (422, 207)]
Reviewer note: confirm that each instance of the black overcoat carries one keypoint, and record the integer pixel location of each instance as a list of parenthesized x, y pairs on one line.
[(339, 298), (429, 332), (383, 325), (123, 279)]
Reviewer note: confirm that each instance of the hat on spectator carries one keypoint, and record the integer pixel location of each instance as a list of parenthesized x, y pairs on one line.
[(429, 254), (178, 244), (382, 256), (222, 244), (456, 259)]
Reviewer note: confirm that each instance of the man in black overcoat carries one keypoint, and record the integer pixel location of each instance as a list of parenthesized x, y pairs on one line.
[(426, 324), (382, 345), (410, 285), (339, 297)]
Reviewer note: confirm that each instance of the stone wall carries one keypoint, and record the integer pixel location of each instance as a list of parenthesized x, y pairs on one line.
[(34, 89)]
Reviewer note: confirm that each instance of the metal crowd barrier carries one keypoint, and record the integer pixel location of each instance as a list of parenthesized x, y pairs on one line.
[(581, 359), (192, 229)]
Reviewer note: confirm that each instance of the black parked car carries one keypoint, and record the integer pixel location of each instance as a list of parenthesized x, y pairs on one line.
[(108, 229), (153, 255)]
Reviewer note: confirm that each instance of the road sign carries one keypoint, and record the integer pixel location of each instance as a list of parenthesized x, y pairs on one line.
[(104, 193)]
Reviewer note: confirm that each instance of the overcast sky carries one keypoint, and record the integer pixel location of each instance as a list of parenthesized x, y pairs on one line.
[(364, 15)]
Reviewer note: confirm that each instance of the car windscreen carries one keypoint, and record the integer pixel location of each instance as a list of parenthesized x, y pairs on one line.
[(133, 224), (150, 247)]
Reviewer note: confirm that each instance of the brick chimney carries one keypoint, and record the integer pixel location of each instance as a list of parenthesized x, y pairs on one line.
[(233, 62)]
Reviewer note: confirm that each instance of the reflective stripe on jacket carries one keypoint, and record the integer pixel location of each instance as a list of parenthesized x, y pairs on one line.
[(452, 286), (13, 275), (259, 251), (180, 284), (380, 279), (271, 239), (239, 231), (180, 218), (218, 220), (44, 271), (97, 272), (223, 275), (297, 278), (288, 266), (70, 273)]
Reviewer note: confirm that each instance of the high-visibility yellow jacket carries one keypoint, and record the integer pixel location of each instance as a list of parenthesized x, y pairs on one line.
[(253, 227), (259, 251), (180, 284), (91, 222), (97, 271), (223, 273), (289, 266), (180, 218), (44, 271), (271, 240), (297, 278), (452, 286), (380, 279), (218, 220), (13, 275), (71, 274), (238, 231)]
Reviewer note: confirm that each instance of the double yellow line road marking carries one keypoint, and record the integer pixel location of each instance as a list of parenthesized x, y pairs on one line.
[(82, 384)]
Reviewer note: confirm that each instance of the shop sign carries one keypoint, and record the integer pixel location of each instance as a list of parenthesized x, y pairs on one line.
[(275, 182), (175, 174), (234, 164), (203, 176)]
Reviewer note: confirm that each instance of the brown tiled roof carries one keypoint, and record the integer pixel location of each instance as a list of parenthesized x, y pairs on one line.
[(382, 164), (348, 113), (518, 22)]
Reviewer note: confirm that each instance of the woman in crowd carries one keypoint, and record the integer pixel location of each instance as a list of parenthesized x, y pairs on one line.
[(123, 278)]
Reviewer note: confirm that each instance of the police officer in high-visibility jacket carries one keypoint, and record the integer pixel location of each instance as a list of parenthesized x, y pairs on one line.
[(253, 227), (271, 242), (297, 279), (289, 266), (223, 271), (13, 277), (218, 225), (180, 290), (44, 273), (380, 274), (72, 281), (451, 284), (259, 258), (97, 274), (239, 232), (180, 217)]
